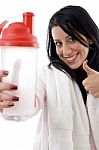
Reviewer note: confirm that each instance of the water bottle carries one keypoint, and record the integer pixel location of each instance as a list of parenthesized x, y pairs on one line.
[(18, 55)]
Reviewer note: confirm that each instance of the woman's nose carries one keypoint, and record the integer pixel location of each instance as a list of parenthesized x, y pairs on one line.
[(66, 50)]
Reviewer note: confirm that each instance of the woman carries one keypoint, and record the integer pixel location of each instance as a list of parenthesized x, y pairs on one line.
[(68, 88)]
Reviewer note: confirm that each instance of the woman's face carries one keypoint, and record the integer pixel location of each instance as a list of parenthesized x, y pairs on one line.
[(71, 51)]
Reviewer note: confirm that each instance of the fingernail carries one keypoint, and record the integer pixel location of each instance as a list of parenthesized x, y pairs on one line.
[(5, 73), (11, 105), (13, 87), (15, 98)]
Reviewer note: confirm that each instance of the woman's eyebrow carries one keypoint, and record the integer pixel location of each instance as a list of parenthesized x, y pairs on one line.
[(57, 40), (60, 40)]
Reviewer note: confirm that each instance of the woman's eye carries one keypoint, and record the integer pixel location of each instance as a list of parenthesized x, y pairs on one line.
[(58, 44), (71, 39)]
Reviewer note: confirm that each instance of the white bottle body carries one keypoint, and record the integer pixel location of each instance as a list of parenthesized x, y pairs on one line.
[(21, 62)]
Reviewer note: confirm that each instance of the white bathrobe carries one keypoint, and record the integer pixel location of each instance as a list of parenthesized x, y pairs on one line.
[(64, 122)]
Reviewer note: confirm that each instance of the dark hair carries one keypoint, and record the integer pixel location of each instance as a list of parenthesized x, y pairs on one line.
[(74, 20)]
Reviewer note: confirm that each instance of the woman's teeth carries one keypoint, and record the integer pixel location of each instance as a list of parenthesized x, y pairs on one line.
[(71, 58)]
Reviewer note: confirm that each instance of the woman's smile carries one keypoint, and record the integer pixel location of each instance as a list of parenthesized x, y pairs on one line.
[(71, 59), (71, 51)]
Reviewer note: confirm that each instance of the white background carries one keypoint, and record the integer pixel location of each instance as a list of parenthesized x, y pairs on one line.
[(20, 135)]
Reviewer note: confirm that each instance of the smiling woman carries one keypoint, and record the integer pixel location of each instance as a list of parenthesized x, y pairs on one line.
[(67, 94), (71, 51), (71, 41)]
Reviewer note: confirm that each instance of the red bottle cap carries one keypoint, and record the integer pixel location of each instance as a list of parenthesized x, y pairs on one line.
[(19, 34)]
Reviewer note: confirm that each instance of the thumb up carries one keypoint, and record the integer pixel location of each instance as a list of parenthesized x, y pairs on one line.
[(88, 70), (91, 83)]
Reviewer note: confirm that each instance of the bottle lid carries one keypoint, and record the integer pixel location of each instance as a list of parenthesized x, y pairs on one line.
[(19, 33)]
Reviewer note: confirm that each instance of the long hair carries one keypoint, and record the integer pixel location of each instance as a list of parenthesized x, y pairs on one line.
[(74, 20)]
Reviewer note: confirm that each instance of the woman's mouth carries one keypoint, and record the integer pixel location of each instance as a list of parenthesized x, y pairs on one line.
[(71, 59)]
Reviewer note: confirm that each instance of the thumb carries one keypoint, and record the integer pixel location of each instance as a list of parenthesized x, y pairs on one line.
[(87, 68)]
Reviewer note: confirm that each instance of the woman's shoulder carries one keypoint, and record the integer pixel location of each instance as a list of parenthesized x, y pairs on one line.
[(43, 70), (49, 69), (50, 72)]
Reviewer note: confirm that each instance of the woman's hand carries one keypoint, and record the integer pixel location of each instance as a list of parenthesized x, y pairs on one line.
[(91, 83), (6, 100)]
